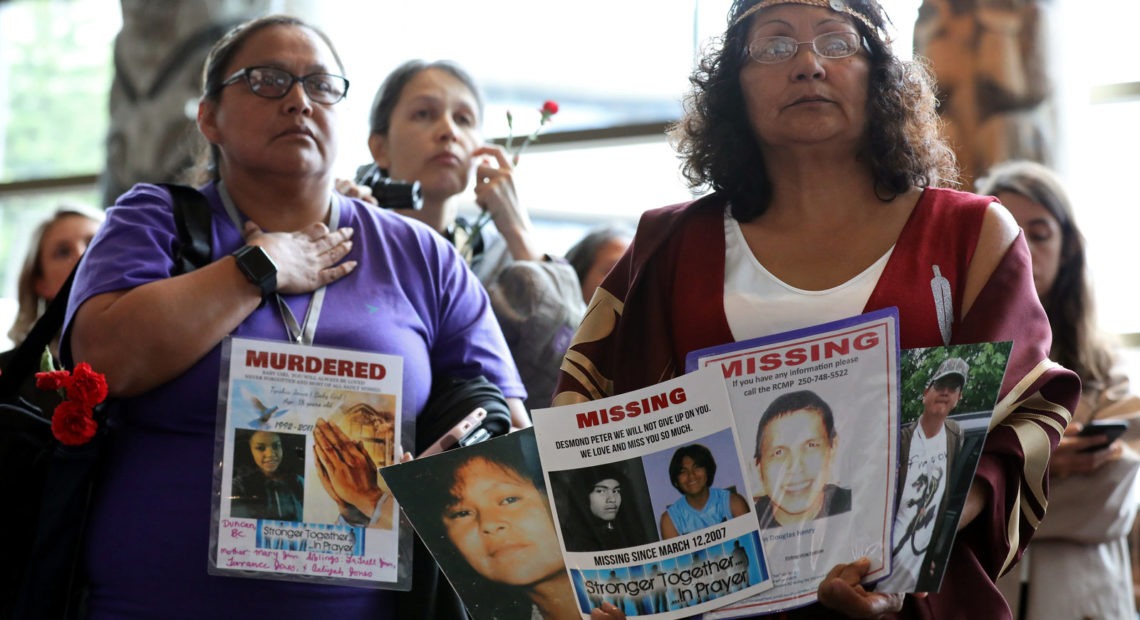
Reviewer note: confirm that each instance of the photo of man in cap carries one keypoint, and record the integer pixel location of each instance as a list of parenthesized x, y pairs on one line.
[(928, 447)]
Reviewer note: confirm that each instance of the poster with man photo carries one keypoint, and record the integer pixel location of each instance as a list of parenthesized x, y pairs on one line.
[(817, 410), (649, 497), (948, 396)]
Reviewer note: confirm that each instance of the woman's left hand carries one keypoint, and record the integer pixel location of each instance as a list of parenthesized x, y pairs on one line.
[(608, 611), (842, 592), (1071, 456), (495, 194), (352, 190)]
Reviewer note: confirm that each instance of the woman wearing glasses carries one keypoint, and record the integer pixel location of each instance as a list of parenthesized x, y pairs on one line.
[(823, 152), (283, 242)]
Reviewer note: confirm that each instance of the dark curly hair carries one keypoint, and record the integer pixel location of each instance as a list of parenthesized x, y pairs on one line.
[(903, 145)]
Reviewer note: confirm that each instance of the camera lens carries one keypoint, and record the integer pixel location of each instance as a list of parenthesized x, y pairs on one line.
[(398, 194)]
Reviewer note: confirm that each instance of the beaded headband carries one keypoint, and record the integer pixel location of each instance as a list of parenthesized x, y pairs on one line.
[(839, 6)]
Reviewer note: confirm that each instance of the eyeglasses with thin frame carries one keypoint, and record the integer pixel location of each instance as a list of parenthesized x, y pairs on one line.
[(274, 83), (773, 50)]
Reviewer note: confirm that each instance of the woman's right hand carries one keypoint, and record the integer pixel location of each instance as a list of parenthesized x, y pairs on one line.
[(1068, 458), (495, 194), (307, 259)]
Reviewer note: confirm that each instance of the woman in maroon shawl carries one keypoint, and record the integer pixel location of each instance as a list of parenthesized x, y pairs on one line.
[(825, 158)]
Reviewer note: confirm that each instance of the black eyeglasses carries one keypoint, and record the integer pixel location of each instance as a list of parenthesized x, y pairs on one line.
[(273, 83), (772, 50)]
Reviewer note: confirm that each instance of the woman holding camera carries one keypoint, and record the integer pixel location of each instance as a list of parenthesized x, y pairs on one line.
[(426, 125)]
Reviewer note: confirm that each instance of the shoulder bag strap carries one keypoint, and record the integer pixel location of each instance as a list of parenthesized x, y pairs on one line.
[(26, 359), (192, 219)]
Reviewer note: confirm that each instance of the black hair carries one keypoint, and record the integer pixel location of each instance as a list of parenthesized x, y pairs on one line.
[(702, 457), (388, 95), (440, 487), (903, 146), (582, 255), (795, 401), (216, 68), (589, 477)]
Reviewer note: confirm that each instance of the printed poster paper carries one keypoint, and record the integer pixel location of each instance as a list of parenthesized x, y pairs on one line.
[(948, 396), (302, 432), (484, 514), (817, 411), (650, 499)]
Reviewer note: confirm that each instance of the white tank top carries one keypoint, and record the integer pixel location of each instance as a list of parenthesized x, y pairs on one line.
[(757, 303)]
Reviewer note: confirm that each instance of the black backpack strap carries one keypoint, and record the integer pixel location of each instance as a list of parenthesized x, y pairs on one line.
[(26, 359), (193, 220)]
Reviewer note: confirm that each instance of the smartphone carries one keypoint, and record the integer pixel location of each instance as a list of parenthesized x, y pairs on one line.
[(1109, 430), (458, 434)]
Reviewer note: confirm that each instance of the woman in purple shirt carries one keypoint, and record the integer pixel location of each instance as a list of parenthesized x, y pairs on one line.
[(390, 286)]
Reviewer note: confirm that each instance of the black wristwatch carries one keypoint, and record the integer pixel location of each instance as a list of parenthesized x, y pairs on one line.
[(257, 267)]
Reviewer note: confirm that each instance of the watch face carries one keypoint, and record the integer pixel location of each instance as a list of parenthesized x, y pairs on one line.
[(257, 267), (259, 263)]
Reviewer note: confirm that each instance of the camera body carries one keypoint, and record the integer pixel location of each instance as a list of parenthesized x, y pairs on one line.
[(388, 193)]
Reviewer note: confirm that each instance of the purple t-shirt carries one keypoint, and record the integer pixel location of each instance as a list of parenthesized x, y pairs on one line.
[(410, 295)]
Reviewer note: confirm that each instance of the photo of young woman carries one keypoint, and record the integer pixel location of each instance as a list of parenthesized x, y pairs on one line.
[(483, 513), (268, 485)]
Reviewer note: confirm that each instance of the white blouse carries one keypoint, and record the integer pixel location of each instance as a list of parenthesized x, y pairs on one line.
[(758, 303)]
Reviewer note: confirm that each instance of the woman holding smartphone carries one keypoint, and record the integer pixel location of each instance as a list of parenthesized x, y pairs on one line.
[(1078, 564)]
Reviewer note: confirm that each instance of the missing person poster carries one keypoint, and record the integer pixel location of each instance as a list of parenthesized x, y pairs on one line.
[(817, 410), (302, 433), (948, 396), (650, 499), (484, 514)]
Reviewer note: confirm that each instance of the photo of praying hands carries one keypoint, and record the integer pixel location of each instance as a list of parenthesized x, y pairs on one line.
[(349, 475)]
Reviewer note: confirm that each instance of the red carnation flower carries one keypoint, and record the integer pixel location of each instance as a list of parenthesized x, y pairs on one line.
[(72, 423), (53, 380), (87, 386), (549, 108)]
